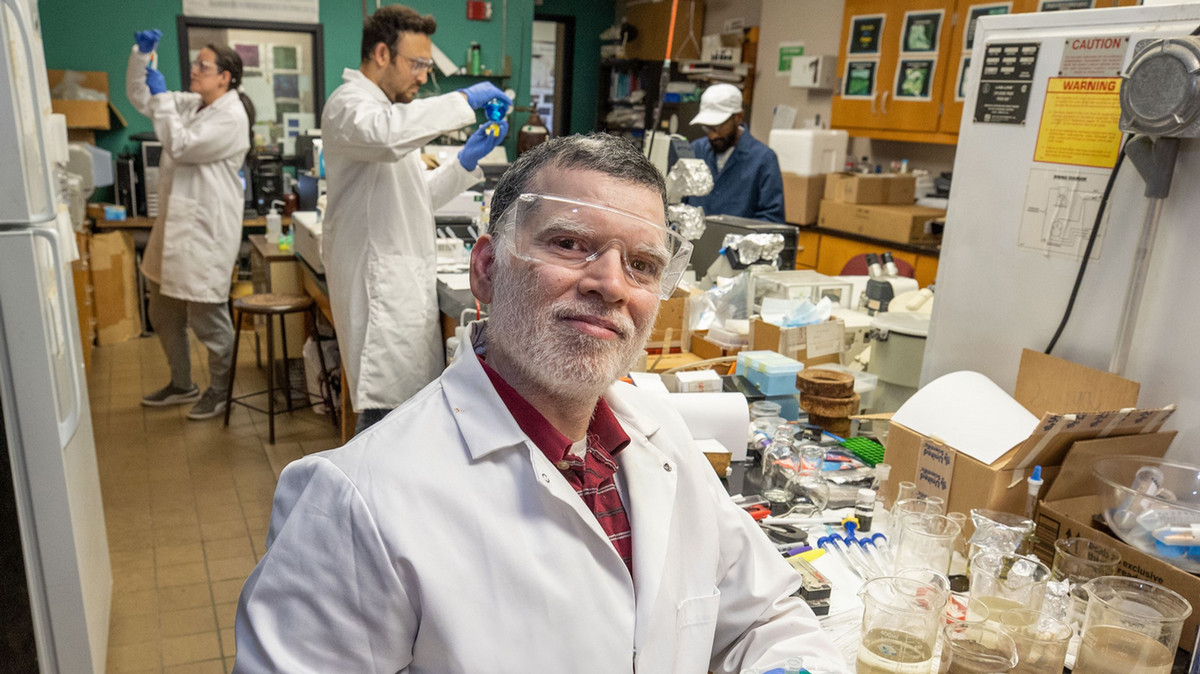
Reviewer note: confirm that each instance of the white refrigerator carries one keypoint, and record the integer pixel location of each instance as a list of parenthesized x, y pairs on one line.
[(54, 562)]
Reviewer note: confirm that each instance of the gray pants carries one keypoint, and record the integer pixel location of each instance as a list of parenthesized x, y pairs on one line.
[(213, 327), (369, 417)]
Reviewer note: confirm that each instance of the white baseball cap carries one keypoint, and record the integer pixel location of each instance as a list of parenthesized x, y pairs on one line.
[(717, 104)]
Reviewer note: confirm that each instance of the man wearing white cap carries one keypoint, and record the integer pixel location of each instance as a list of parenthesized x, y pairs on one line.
[(746, 177)]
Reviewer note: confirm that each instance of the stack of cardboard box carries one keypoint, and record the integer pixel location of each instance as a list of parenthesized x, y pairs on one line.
[(878, 205)]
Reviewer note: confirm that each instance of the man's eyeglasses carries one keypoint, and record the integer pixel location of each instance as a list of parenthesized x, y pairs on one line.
[(204, 66), (569, 233), (419, 65)]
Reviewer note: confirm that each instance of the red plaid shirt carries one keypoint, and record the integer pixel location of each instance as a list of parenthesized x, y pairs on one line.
[(591, 474)]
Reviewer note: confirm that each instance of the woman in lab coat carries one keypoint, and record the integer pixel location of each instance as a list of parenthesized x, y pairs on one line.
[(188, 262)]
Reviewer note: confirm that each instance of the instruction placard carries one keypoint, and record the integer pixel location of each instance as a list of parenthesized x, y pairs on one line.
[(1060, 209), (1080, 122), (1005, 81), (787, 52), (1093, 56)]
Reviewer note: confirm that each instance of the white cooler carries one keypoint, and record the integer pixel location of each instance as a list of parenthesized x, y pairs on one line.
[(810, 152)]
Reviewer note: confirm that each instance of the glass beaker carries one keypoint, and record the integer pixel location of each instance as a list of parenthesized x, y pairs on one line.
[(926, 540), (976, 648), (905, 506), (1079, 560), (1004, 582), (905, 490), (961, 608), (1041, 640), (1131, 627), (901, 617)]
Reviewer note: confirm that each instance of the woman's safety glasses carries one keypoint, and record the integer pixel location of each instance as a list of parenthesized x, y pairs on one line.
[(570, 233)]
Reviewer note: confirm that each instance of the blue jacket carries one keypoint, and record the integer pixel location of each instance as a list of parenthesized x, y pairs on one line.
[(751, 185)]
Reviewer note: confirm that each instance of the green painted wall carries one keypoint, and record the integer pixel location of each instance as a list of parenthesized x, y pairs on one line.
[(97, 35), (591, 18)]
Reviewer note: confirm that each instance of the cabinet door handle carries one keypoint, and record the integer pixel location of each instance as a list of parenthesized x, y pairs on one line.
[(873, 97), (883, 105)]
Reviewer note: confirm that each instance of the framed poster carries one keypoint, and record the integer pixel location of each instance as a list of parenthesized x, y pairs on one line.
[(251, 55), (865, 34), (978, 11), (921, 31), (914, 79), (1060, 5), (964, 67), (860, 80)]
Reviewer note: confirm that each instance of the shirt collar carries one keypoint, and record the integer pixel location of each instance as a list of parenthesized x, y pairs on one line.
[(356, 77), (604, 431)]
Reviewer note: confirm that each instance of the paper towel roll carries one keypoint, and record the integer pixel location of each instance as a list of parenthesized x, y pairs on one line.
[(724, 417)]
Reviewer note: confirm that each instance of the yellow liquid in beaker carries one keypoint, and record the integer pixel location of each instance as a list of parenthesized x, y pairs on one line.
[(891, 652), (1112, 650)]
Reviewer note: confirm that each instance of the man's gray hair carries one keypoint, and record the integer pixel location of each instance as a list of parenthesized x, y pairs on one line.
[(600, 152)]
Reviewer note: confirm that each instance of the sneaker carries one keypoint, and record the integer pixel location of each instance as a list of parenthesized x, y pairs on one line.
[(171, 395), (211, 404)]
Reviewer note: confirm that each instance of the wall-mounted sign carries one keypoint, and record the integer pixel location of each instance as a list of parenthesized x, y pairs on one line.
[(914, 79), (787, 52), (859, 81), (278, 11), (1060, 5), (865, 33), (974, 15), (921, 31)]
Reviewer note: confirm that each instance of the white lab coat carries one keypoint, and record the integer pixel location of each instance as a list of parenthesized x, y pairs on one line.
[(379, 246), (442, 540), (194, 243)]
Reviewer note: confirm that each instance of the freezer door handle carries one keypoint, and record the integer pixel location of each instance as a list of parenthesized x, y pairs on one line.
[(66, 427), (27, 41)]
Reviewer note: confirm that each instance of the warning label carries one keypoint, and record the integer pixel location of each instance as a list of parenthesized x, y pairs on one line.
[(1080, 122), (1093, 57)]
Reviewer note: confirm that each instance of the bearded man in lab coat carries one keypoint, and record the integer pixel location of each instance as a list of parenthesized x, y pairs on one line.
[(379, 246), (526, 512)]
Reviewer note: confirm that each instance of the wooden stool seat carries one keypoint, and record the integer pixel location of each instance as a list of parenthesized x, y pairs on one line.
[(271, 304)]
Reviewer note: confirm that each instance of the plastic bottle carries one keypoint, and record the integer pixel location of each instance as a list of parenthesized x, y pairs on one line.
[(495, 110), (274, 224), (474, 59), (864, 508)]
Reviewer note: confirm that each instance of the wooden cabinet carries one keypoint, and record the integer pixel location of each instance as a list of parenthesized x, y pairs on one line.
[(895, 84), (893, 66), (828, 254), (808, 246)]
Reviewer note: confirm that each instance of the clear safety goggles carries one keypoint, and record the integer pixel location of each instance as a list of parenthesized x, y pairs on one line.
[(569, 233)]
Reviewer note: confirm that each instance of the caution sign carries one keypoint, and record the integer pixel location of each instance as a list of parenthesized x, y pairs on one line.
[(1080, 122), (1093, 56)]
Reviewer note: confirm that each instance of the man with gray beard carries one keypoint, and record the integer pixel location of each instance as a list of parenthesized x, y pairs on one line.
[(526, 512)]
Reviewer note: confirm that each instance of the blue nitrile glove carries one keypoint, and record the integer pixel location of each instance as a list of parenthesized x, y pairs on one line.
[(147, 40), (478, 94), (156, 81), (480, 143)]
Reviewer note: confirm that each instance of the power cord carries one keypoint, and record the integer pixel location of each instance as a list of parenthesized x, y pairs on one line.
[(1087, 252)]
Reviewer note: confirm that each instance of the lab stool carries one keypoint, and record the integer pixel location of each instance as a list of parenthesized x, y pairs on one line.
[(271, 306)]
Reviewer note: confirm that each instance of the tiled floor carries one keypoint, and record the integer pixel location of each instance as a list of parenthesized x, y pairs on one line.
[(187, 505)]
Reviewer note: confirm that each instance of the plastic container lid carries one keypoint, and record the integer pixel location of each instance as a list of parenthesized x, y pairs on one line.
[(915, 325), (764, 408)]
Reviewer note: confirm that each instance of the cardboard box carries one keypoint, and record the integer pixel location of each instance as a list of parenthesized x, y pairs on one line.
[(118, 317), (902, 224), (1071, 401), (86, 114), (802, 198), (706, 348), (871, 188), (1070, 504), (672, 315), (811, 344), (652, 18)]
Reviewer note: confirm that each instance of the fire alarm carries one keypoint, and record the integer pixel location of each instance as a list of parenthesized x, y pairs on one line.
[(477, 10)]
